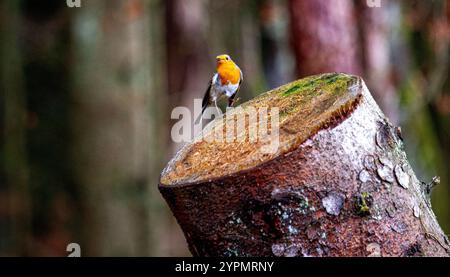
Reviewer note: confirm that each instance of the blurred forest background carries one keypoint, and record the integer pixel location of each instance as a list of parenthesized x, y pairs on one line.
[(86, 96)]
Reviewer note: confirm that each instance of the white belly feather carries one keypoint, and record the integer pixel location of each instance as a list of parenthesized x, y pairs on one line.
[(218, 90)]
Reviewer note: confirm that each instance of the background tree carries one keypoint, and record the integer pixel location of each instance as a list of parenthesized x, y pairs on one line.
[(324, 37), (15, 212), (115, 127)]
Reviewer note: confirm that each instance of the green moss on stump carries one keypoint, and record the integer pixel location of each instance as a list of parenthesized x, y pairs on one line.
[(330, 82)]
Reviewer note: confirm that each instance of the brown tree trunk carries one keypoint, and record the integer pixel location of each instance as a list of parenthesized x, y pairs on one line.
[(187, 75), (375, 29), (15, 206), (324, 37), (339, 183), (113, 126)]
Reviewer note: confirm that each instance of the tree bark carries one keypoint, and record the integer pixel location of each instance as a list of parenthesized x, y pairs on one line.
[(374, 29), (15, 207), (338, 185), (113, 126), (324, 37), (185, 52)]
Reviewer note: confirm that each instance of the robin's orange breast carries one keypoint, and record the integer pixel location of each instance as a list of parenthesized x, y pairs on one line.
[(229, 72)]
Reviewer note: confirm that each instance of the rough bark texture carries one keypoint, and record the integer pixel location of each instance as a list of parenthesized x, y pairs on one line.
[(347, 189)]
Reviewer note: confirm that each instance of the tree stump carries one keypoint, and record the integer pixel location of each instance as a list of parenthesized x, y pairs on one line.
[(339, 183)]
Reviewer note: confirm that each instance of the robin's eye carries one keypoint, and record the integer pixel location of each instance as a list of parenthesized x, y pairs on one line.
[(227, 58)]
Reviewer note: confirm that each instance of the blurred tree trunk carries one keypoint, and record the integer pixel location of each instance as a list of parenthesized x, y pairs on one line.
[(425, 97), (115, 115), (375, 29), (324, 37), (189, 70), (187, 54), (234, 30), (270, 43), (440, 107), (275, 52), (15, 215), (45, 34)]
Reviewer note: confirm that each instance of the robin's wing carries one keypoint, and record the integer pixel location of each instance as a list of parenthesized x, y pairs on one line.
[(231, 99)]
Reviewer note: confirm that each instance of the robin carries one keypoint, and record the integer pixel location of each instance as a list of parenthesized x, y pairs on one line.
[(226, 82)]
